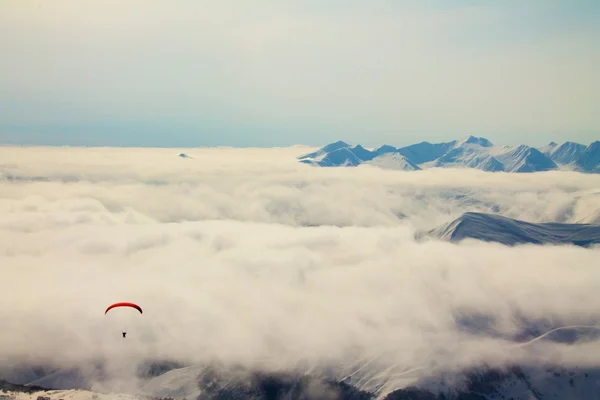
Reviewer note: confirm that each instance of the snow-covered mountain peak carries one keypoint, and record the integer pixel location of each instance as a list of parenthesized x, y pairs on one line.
[(386, 148), (472, 140), (325, 149)]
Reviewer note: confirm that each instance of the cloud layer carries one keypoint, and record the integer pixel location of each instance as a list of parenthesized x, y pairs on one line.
[(248, 256)]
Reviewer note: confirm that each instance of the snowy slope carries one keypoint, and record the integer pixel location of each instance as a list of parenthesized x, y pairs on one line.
[(512, 382), (24, 375), (517, 383), (470, 153), (363, 154), (424, 152), (472, 140), (324, 150), (386, 148), (495, 228), (548, 148), (343, 157), (524, 159), (485, 162), (70, 379), (566, 153), (590, 159), (73, 395), (20, 392), (181, 382), (574, 156), (393, 161)]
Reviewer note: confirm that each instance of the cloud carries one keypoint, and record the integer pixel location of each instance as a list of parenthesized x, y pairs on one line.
[(247, 256)]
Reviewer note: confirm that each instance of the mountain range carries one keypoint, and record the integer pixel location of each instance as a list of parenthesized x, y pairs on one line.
[(469, 152)]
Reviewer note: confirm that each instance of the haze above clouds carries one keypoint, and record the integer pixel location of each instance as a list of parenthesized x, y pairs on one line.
[(247, 256), (272, 72)]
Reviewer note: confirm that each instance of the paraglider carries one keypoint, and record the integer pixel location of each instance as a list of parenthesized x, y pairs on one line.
[(124, 304)]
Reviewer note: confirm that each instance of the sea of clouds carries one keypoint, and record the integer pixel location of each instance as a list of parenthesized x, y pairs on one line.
[(248, 256)]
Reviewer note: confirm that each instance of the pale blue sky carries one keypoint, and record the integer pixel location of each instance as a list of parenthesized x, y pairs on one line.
[(276, 72)]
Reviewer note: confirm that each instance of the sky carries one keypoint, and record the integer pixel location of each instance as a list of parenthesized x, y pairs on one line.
[(277, 73), (248, 256)]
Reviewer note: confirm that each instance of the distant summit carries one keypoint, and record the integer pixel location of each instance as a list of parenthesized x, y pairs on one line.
[(469, 152), (330, 148)]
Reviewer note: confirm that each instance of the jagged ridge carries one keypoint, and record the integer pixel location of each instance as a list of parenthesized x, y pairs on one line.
[(470, 152)]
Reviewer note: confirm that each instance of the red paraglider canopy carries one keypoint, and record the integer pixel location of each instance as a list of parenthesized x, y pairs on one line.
[(124, 304)]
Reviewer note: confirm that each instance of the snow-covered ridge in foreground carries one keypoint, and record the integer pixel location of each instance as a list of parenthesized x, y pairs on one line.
[(483, 383), (508, 231)]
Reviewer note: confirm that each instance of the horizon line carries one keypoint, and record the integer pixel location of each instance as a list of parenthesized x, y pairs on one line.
[(300, 145)]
